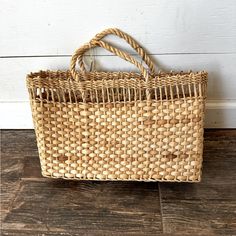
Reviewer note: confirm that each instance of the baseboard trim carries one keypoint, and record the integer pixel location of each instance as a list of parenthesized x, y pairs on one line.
[(219, 114)]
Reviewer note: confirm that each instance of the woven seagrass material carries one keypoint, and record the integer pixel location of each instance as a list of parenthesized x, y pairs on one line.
[(117, 125)]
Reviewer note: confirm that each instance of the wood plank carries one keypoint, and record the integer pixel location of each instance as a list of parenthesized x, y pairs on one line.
[(199, 217), (39, 206), (101, 205), (220, 150), (19, 151), (221, 84), (208, 189), (16, 162), (17, 144), (11, 168), (8, 193), (36, 233), (176, 26), (208, 207), (220, 134), (3, 214), (19, 155), (86, 208)]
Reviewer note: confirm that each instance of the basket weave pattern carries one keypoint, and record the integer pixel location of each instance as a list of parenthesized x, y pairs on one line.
[(119, 125)]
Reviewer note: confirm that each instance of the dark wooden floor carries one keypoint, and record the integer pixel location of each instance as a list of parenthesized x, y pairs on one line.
[(32, 205)]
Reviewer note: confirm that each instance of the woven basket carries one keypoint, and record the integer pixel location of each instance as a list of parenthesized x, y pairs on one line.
[(116, 125)]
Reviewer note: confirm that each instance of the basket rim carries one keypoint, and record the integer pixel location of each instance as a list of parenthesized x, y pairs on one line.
[(99, 80), (48, 74)]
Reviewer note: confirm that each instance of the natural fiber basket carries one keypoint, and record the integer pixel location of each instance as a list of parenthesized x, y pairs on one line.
[(116, 125)]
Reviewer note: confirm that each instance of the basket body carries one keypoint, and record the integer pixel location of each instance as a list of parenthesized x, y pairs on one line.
[(115, 126)]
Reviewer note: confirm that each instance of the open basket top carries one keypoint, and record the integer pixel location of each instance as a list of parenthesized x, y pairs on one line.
[(147, 81)]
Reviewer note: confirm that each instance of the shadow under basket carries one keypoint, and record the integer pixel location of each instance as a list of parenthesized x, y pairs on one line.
[(119, 125)]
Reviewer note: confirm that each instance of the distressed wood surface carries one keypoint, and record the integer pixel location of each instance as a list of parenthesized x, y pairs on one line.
[(35, 233), (33, 205), (207, 208)]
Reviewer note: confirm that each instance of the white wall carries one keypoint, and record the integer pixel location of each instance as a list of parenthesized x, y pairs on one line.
[(180, 35)]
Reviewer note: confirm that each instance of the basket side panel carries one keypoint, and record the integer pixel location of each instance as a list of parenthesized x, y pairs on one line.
[(162, 140)]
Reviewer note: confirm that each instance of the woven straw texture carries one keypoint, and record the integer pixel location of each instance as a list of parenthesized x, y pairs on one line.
[(143, 126)]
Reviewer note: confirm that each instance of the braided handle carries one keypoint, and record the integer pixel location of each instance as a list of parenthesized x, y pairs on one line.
[(131, 42), (96, 41)]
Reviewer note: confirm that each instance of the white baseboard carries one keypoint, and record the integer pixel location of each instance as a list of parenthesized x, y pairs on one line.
[(220, 114), (17, 115)]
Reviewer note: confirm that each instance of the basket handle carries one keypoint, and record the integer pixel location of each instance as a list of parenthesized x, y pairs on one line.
[(96, 41), (141, 52)]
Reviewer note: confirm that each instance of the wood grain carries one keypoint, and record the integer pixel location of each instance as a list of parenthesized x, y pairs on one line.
[(36, 233), (89, 207), (32, 205), (19, 155), (17, 149), (209, 205), (191, 217), (59, 206)]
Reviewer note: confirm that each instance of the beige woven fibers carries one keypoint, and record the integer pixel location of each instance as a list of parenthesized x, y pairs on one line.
[(119, 125)]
